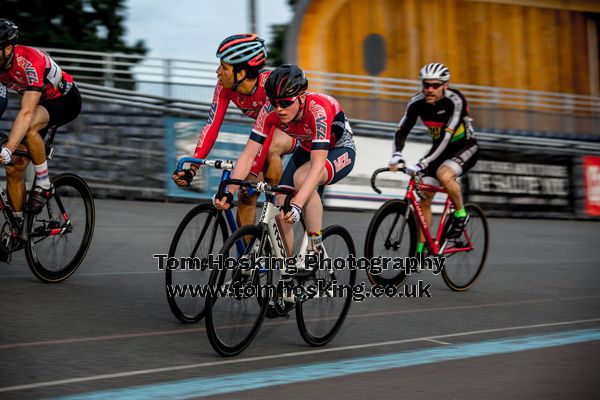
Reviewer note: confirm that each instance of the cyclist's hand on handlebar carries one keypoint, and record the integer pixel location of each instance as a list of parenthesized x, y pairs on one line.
[(5, 155), (293, 215), (183, 178), (224, 203), (396, 161), (414, 170)]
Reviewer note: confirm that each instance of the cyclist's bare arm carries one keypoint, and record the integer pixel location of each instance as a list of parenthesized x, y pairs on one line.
[(24, 118)]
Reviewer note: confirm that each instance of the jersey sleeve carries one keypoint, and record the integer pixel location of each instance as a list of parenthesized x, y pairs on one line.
[(34, 68), (210, 131), (322, 117), (456, 110), (264, 125), (408, 121)]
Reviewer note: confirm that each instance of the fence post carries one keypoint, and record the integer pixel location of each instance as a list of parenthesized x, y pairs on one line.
[(167, 75), (108, 70)]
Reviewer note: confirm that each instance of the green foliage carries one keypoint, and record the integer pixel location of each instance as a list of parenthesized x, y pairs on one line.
[(93, 25), (277, 46)]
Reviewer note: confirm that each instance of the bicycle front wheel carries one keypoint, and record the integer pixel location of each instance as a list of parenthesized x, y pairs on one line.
[(392, 233), (235, 304), (321, 315), (465, 256), (201, 233), (60, 235)]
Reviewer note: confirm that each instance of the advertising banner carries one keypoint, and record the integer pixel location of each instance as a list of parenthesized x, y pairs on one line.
[(591, 184), (510, 182)]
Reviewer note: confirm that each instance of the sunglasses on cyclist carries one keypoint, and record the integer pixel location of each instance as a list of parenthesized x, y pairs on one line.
[(283, 103), (435, 85)]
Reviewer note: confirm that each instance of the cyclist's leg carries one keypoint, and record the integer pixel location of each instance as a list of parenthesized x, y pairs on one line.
[(448, 173), (54, 112), (246, 212), (426, 209), (299, 158), (15, 182), (454, 167), (15, 185), (339, 163), (281, 145)]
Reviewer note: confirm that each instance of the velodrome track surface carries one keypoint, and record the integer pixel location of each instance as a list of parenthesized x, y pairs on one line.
[(529, 329)]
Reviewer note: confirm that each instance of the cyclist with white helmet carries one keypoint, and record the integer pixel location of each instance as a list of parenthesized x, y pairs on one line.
[(241, 81), (445, 113)]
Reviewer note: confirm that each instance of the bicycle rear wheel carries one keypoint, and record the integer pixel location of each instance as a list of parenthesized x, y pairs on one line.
[(235, 309), (201, 232), (320, 317), (391, 233), (463, 268), (60, 235)]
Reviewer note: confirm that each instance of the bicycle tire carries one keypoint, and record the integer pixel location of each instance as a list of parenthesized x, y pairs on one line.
[(377, 240), (317, 311), (476, 227), (227, 333), (69, 191), (201, 222)]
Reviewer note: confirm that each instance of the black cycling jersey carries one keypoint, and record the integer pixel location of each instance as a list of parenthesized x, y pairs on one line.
[(448, 122)]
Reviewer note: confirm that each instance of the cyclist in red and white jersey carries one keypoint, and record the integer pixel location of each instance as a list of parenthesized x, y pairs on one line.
[(50, 98), (326, 153), (241, 82)]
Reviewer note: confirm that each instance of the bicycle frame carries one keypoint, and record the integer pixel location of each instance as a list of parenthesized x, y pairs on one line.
[(268, 221), (437, 245)]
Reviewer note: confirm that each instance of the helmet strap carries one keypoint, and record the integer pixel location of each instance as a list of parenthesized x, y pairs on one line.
[(299, 109), (236, 84)]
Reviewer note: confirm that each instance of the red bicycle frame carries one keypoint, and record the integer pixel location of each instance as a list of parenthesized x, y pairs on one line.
[(435, 245)]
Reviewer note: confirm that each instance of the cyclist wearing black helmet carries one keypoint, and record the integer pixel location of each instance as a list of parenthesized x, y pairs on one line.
[(241, 82), (50, 98), (326, 153)]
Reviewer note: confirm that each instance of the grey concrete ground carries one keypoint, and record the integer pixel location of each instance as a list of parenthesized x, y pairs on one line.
[(111, 317)]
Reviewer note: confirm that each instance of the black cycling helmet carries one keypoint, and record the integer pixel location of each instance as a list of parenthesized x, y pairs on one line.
[(9, 32), (286, 81)]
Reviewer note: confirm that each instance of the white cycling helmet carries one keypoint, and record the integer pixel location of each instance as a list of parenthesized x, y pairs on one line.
[(435, 71)]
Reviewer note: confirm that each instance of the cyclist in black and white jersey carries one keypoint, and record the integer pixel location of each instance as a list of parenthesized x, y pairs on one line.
[(445, 113)]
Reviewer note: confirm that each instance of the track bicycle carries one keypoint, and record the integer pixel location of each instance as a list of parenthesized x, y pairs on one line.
[(393, 232), (56, 239), (236, 304)]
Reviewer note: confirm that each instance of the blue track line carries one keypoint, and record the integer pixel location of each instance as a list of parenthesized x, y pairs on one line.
[(210, 386)]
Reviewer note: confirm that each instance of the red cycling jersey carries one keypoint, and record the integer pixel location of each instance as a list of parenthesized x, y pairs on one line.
[(313, 131), (249, 104), (32, 69)]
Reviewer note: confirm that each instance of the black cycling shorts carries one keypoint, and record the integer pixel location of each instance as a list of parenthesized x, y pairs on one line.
[(461, 160), (63, 109)]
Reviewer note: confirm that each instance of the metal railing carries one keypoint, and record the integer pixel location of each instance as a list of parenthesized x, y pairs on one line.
[(158, 76)]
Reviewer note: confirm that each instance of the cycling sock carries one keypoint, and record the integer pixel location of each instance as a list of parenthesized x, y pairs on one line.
[(41, 175), (316, 240), (18, 214), (420, 247), (460, 213)]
